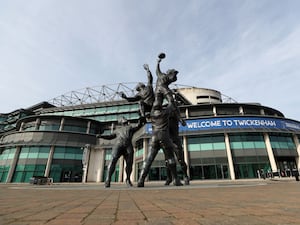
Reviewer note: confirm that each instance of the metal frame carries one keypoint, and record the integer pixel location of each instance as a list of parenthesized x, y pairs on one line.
[(107, 93)]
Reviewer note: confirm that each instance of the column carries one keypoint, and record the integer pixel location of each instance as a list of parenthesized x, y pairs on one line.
[(121, 169), (49, 161), (229, 157), (37, 124), (85, 161), (133, 175), (102, 164), (146, 148), (296, 141), (270, 152), (13, 165), (186, 155), (215, 110), (88, 127), (62, 122)]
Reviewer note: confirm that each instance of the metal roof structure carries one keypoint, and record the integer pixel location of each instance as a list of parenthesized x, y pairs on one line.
[(107, 93)]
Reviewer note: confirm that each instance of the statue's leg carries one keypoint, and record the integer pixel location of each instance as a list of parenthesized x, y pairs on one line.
[(169, 175), (146, 165), (112, 165), (172, 166), (169, 149), (184, 170), (129, 161), (180, 157), (110, 171)]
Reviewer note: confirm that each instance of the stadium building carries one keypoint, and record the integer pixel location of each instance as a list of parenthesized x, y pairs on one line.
[(223, 139)]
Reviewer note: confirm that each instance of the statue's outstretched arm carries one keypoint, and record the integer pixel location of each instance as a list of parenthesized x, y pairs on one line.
[(149, 75), (135, 98), (107, 137)]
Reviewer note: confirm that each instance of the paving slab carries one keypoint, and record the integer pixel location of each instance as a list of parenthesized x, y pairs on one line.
[(258, 202)]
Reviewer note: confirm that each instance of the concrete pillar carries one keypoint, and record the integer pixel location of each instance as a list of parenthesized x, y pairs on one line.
[(215, 110), (101, 166), (37, 124), (88, 127), (85, 162), (186, 113), (241, 110), (186, 154), (146, 148), (62, 123), (13, 165), (49, 161), (133, 175), (229, 157), (270, 152), (22, 126), (296, 141), (121, 169)]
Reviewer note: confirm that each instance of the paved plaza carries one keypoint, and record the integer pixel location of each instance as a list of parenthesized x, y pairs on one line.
[(203, 202)]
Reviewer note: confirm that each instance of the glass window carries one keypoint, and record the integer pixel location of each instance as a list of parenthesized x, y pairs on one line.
[(44, 152), (101, 110), (11, 154), (207, 142), (219, 146), (246, 141), (206, 146), (108, 154), (112, 109), (282, 141), (89, 111), (59, 153)]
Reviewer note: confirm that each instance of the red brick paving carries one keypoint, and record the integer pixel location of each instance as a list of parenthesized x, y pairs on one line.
[(216, 202)]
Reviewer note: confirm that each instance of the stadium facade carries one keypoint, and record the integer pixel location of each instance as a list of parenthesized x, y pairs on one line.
[(223, 139)]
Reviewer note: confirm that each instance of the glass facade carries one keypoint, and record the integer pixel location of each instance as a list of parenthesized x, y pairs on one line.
[(285, 151), (208, 157), (49, 125), (249, 154), (66, 164), (103, 113), (32, 161), (6, 158), (67, 129)]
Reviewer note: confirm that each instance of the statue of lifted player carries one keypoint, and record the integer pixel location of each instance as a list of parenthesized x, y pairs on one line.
[(145, 94), (162, 89), (123, 147)]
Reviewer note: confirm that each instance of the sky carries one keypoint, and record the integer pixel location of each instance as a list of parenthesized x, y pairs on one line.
[(248, 50)]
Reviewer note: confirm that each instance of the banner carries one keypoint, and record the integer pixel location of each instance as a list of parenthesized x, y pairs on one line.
[(227, 123)]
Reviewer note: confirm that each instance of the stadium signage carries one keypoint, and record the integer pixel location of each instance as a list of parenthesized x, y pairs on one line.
[(225, 123)]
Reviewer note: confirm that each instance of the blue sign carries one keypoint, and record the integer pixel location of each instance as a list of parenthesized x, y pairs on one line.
[(227, 123)]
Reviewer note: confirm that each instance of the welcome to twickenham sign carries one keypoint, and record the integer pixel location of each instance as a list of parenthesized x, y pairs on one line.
[(245, 123)]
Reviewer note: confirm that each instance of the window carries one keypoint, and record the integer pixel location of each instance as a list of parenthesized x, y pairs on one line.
[(282, 141), (246, 141), (206, 143)]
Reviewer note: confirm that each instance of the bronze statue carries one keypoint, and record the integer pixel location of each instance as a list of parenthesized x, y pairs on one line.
[(161, 118), (174, 135), (160, 139), (162, 89), (123, 147), (145, 94)]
